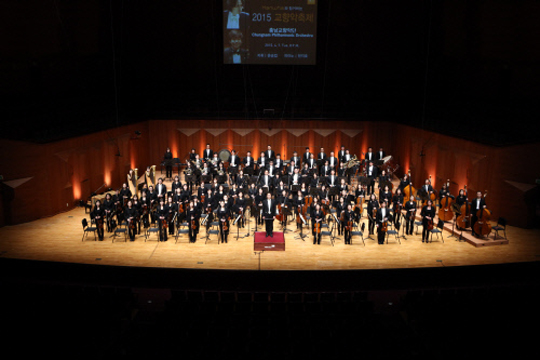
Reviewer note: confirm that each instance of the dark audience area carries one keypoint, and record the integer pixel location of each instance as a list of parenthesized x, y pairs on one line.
[(95, 318)]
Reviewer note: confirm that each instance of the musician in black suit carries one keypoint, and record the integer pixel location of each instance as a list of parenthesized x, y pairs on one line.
[(295, 159), (98, 214), (167, 159), (108, 206), (410, 214), (370, 155), (269, 214), (322, 155), (426, 190), (234, 164), (382, 218), (307, 155), (270, 153), (381, 154), (248, 162), (371, 174), (208, 153), (477, 204), (161, 190), (428, 214), (279, 164), (333, 161)]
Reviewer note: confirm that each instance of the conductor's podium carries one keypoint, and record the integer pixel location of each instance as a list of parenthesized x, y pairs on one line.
[(263, 243)]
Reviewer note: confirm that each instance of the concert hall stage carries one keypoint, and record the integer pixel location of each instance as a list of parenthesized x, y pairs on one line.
[(59, 239)]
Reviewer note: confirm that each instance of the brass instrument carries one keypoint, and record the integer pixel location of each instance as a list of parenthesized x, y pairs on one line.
[(352, 162)]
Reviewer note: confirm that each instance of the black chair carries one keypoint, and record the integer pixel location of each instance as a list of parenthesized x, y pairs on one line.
[(392, 231), (87, 229), (359, 232), (501, 226), (437, 230)]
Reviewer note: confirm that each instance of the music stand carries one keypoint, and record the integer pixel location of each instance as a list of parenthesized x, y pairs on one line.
[(301, 235), (333, 230)]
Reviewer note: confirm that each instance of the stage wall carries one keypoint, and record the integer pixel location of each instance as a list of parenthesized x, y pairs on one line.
[(42, 180)]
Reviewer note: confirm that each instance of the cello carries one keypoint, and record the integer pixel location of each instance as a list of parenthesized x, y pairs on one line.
[(482, 226), (445, 213)]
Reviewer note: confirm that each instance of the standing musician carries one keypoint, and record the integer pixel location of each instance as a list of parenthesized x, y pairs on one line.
[(295, 159), (193, 154), (98, 214), (385, 195), (208, 154), (130, 214), (341, 208), (370, 156), (371, 173), (428, 214), (192, 216), (234, 164), (283, 200), (162, 212), (381, 154), (270, 153), (404, 182), (397, 204), (138, 207), (125, 194), (383, 216), (316, 224), (322, 155), (307, 155), (152, 197), (426, 189), (173, 212), (210, 204), (240, 208), (350, 217), (262, 162), (410, 214), (161, 190), (176, 184), (241, 180), (108, 207), (167, 159), (223, 215), (372, 204), (298, 204), (477, 204), (269, 214), (279, 164), (332, 161), (259, 203), (341, 154), (248, 162)]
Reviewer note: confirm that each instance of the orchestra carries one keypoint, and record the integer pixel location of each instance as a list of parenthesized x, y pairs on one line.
[(228, 189)]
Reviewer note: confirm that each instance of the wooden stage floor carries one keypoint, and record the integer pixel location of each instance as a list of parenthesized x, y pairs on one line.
[(58, 239)]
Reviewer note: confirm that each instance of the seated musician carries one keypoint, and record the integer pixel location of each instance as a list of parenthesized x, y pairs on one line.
[(295, 160), (278, 164), (325, 169), (262, 161), (332, 161)]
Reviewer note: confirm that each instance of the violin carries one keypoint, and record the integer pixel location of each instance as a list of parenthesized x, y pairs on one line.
[(226, 224), (430, 224), (317, 227), (132, 223), (384, 226), (193, 224), (349, 225)]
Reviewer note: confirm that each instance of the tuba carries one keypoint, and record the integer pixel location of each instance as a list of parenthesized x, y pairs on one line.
[(352, 162)]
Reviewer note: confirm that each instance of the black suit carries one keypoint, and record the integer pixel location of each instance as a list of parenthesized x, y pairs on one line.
[(208, 154), (371, 173), (269, 212), (476, 205)]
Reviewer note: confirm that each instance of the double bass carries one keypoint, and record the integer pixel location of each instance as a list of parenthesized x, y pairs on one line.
[(464, 219), (409, 190), (445, 211)]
